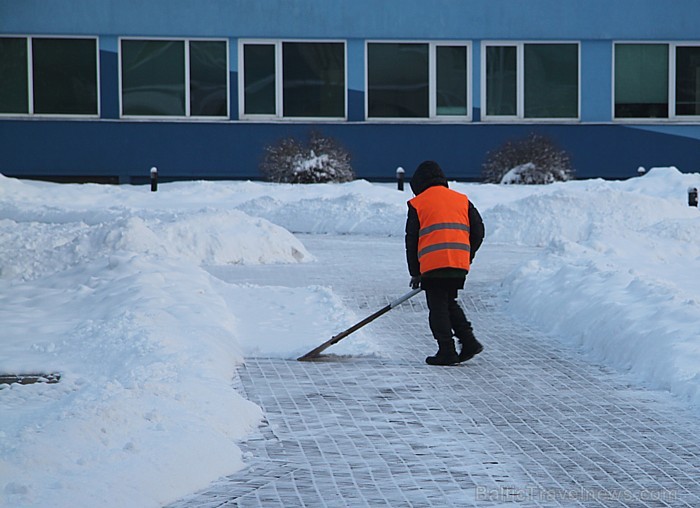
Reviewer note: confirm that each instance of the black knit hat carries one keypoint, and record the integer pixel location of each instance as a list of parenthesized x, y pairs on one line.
[(427, 174)]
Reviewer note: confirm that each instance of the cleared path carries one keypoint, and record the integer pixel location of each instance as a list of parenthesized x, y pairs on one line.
[(529, 421)]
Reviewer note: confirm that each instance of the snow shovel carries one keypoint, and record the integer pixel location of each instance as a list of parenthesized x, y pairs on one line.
[(337, 338)]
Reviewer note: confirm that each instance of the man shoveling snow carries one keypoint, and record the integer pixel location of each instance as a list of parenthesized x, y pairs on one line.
[(443, 232)]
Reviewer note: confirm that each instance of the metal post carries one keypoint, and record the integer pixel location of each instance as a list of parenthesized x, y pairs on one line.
[(399, 177), (154, 179), (692, 196)]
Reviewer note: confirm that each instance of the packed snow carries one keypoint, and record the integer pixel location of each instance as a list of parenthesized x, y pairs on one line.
[(112, 287)]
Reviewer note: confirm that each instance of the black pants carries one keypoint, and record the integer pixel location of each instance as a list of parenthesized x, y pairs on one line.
[(446, 316)]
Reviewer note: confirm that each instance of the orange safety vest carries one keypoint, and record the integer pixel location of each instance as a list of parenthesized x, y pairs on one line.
[(443, 239)]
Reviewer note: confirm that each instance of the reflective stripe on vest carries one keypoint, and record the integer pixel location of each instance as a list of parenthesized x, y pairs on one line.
[(443, 238), (443, 246), (443, 225)]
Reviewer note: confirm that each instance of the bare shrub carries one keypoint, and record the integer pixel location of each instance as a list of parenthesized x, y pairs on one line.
[(533, 160), (322, 159)]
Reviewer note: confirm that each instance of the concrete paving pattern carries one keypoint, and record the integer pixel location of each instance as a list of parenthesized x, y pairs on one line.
[(530, 421)]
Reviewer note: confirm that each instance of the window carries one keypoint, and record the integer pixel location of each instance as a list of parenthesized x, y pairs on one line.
[(208, 78), (48, 76), (531, 81), (174, 78), (501, 81), (397, 80), (417, 80), (14, 76), (293, 79), (313, 79), (647, 87), (259, 79), (687, 80), (641, 80), (551, 80), (451, 81)]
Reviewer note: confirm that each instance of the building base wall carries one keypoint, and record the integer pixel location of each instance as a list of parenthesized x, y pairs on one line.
[(124, 151)]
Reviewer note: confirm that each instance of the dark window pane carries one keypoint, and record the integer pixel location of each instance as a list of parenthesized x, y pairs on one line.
[(313, 79), (451, 80), (153, 78), (259, 79), (551, 80), (14, 95), (641, 80), (688, 80), (208, 68), (501, 80), (65, 76), (397, 76)]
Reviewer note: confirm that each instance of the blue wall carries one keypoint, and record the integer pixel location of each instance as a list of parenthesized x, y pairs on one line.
[(479, 19), (125, 150)]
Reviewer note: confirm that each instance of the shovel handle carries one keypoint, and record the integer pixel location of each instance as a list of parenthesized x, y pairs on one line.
[(337, 338), (405, 297)]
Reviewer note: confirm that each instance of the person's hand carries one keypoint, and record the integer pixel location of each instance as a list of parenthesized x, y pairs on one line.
[(415, 282)]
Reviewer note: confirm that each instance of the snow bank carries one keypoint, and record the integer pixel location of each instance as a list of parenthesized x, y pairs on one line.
[(341, 215), (47, 241), (146, 350), (618, 275), (115, 299)]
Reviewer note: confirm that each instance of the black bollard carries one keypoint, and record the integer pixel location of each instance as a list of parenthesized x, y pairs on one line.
[(692, 196), (399, 177), (154, 179)]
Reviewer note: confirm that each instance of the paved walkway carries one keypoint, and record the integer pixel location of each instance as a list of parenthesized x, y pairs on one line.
[(529, 421)]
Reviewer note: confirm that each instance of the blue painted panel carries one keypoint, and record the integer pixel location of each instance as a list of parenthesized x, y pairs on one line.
[(356, 105), (356, 79), (596, 81), (674, 130), (499, 19), (234, 149), (356, 64), (476, 74), (109, 90)]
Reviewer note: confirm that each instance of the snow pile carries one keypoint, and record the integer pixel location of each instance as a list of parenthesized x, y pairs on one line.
[(353, 208), (107, 285), (40, 244), (341, 215), (146, 350), (115, 299), (618, 275)]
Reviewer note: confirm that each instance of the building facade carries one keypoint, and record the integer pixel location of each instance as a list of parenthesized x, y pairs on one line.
[(102, 90)]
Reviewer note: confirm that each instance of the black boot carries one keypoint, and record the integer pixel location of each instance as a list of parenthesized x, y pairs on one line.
[(470, 348), (446, 355), (464, 332)]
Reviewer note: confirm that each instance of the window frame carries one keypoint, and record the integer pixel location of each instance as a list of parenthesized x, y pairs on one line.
[(30, 78), (432, 82), (520, 117), (671, 75), (187, 116), (278, 116)]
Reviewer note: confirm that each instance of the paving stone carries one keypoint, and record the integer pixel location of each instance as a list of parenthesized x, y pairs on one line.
[(530, 420)]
